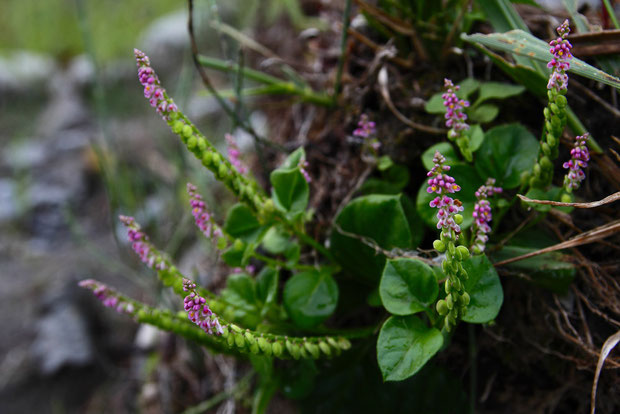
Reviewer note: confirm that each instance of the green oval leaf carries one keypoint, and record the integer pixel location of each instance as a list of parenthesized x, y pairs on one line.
[(484, 288), (506, 152), (484, 113), (469, 180), (497, 90), (404, 345), (310, 297), (380, 219), (290, 191), (241, 224), (407, 286)]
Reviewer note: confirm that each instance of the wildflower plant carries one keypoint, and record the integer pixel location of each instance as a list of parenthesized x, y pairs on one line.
[(284, 285), (555, 112), (455, 118)]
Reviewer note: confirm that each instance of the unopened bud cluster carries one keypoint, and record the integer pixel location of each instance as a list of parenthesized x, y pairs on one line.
[(555, 112), (204, 219), (283, 346), (449, 221), (455, 118), (108, 296), (366, 130), (141, 245), (579, 160), (482, 215), (198, 311), (222, 168)]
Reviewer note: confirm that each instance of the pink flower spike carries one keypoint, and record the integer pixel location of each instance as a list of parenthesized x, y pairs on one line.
[(482, 214), (580, 155), (198, 310)]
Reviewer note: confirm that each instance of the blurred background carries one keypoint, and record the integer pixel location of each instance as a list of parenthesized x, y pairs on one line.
[(80, 145)]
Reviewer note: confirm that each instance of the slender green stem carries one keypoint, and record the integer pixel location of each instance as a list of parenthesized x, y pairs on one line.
[(611, 13), (279, 263), (343, 47), (280, 86), (240, 388)]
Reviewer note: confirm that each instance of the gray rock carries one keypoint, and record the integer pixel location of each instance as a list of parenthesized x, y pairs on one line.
[(62, 339), (8, 199), (23, 70)]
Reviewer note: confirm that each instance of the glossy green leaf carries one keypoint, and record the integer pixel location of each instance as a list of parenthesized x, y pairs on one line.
[(497, 90), (290, 190), (310, 297), (469, 180), (506, 152), (404, 345), (525, 44), (476, 136), (380, 219), (407, 286), (483, 113), (242, 224), (267, 285), (484, 288), (276, 240), (445, 148)]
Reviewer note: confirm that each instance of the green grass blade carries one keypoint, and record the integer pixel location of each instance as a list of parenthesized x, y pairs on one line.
[(522, 43)]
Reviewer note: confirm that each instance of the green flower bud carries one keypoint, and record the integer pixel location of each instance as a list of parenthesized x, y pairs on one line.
[(465, 298), (537, 170), (249, 338), (142, 315), (222, 171), (325, 348), (293, 349), (442, 307), (216, 159), (256, 200), (235, 328), (546, 113), (238, 244), (447, 286), (202, 144), (207, 157), (548, 126), (556, 122), (221, 243), (276, 348), (344, 344), (224, 329), (264, 345), (546, 149), (254, 348), (546, 164), (566, 198), (525, 176), (449, 301), (313, 349), (177, 127), (192, 141), (458, 218), (560, 101), (451, 248), (446, 324), (302, 351), (439, 246), (230, 339), (445, 266), (554, 108), (551, 140), (332, 342), (239, 340), (187, 131), (174, 115), (464, 252)]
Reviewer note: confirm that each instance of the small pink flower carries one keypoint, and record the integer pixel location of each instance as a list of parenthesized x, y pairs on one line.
[(141, 246), (482, 214), (198, 310), (579, 160)]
